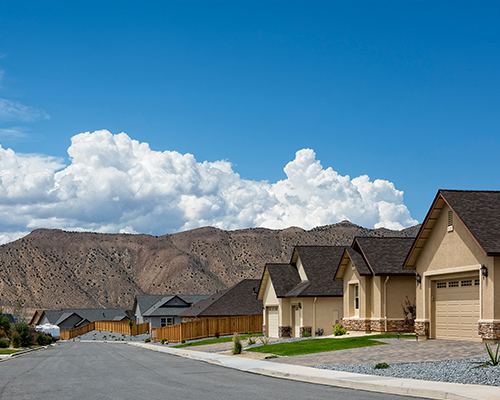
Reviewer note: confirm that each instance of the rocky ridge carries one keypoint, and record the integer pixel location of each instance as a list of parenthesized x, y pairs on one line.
[(52, 269)]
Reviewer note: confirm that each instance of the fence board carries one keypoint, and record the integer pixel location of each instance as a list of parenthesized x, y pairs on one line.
[(208, 328), (106, 326)]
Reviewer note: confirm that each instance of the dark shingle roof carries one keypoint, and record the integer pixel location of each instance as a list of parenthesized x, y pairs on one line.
[(480, 212), (145, 302), (90, 314), (320, 264), (157, 310), (237, 300), (384, 255), (359, 262), (284, 278)]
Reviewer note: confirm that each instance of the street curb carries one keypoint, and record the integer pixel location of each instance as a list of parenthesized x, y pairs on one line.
[(398, 386), (11, 356)]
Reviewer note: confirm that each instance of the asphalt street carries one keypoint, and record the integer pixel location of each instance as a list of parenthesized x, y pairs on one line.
[(76, 370)]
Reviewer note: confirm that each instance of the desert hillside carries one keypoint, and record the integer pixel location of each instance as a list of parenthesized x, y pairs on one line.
[(57, 269)]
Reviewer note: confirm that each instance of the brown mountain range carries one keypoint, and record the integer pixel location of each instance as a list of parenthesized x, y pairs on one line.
[(53, 269)]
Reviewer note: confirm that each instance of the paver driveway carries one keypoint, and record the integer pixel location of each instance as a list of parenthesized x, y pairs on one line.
[(395, 352)]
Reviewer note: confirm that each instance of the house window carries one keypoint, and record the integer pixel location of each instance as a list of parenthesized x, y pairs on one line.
[(170, 321), (356, 297), (441, 285), (163, 322)]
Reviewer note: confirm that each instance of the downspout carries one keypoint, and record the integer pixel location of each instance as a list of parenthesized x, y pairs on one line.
[(313, 333), (385, 301)]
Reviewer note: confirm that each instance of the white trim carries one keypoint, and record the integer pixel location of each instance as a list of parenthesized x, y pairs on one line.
[(353, 282), (453, 270), (422, 320), (489, 321)]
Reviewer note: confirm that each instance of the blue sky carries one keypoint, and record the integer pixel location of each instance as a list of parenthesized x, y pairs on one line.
[(404, 92)]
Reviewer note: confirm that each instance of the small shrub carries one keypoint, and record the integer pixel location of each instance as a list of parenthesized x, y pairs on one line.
[(250, 341), (269, 357), (183, 341), (237, 347), (163, 341), (40, 339), (264, 340), (339, 330), (16, 339), (3, 334), (217, 335), (25, 333), (147, 340), (4, 344), (320, 332), (409, 312), (306, 334), (494, 358), (381, 366)]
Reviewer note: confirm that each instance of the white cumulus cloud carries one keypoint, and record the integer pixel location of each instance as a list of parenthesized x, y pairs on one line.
[(116, 184)]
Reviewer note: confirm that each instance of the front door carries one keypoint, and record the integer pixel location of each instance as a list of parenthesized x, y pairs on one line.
[(296, 321)]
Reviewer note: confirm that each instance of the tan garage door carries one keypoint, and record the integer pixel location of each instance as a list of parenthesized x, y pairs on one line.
[(456, 306), (272, 318)]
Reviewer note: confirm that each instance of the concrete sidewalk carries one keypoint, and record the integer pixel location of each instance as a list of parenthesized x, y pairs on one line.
[(411, 387)]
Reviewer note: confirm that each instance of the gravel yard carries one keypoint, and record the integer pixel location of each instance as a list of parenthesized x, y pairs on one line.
[(455, 371), (112, 336)]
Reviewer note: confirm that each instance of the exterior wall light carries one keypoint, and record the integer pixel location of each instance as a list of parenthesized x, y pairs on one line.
[(300, 306), (484, 271), (418, 278)]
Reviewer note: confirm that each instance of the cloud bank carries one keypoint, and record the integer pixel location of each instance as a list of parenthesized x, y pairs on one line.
[(116, 184)]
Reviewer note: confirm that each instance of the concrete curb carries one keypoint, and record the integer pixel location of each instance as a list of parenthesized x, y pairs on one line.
[(10, 356), (409, 387)]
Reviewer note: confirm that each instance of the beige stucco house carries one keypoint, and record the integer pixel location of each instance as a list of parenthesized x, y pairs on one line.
[(375, 285), (456, 258), (302, 296)]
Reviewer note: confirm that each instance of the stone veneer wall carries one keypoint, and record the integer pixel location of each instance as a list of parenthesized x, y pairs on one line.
[(489, 330), (422, 328), (376, 325), (285, 331), (356, 324)]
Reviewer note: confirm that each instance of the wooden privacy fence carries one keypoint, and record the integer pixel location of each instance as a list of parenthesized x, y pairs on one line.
[(106, 326), (208, 328)]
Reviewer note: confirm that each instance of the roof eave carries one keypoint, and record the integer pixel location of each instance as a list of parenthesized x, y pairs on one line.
[(421, 230)]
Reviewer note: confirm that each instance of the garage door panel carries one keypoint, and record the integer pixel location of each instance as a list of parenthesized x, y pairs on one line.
[(456, 309)]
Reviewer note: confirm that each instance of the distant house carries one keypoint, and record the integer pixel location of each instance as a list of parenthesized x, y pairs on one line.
[(238, 300), (74, 318), (302, 295), (375, 284), (163, 310)]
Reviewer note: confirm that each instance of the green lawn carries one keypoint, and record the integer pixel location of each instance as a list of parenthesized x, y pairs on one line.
[(9, 351), (219, 340), (321, 345)]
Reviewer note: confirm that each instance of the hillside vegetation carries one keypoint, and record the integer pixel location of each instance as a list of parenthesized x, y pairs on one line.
[(56, 269)]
